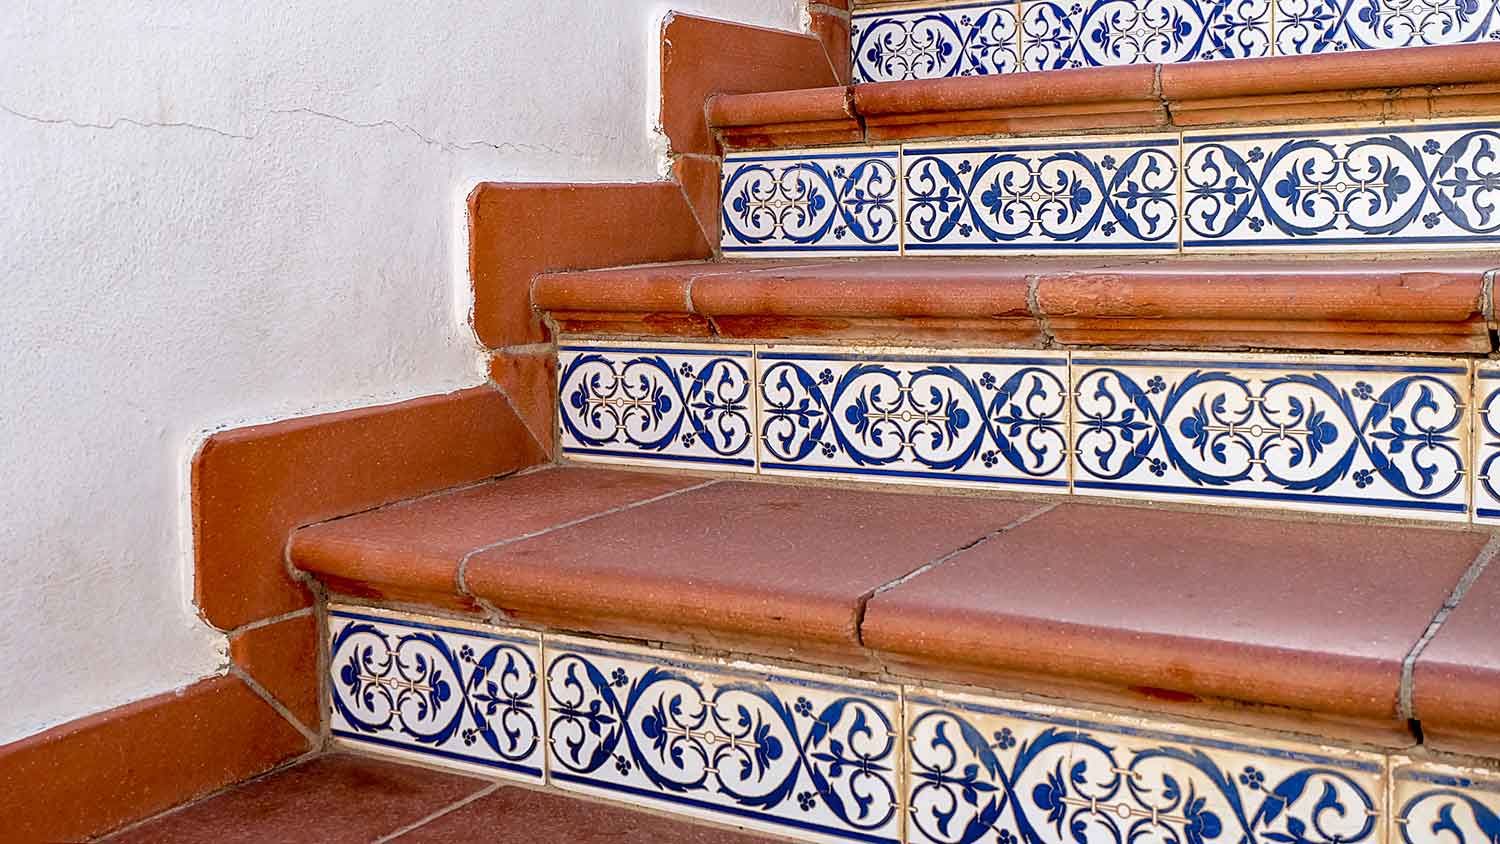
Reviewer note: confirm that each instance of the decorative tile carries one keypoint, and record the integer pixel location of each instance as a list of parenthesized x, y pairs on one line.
[(970, 39), (1317, 26), (1430, 185), (437, 690), (1437, 804), (828, 203), (1003, 771), (797, 754), (983, 418), (1082, 194), (1486, 495), (1338, 434), (670, 403), (1118, 32)]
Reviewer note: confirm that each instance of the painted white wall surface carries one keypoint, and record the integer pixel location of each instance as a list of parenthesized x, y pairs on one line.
[(214, 214)]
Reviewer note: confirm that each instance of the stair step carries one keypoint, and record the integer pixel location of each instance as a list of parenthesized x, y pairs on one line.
[(1213, 615), (344, 797), (1338, 302)]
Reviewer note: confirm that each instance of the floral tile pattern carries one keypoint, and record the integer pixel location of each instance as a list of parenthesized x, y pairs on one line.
[(982, 418), (1420, 186), (1317, 26), (1001, 771), (1062, 33), (1436, 804), (437, 691), (1378, 436), (1080, 195), (1486, 495), (658, 403), (797, 754), (972, 39), (826, 203)]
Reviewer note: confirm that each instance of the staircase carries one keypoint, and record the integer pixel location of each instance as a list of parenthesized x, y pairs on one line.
[(1072, 426)]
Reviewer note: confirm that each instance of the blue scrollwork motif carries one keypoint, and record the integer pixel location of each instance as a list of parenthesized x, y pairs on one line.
[(1489, 434), (1059, 34), (849, 200), (1062, 196), (935, 43), (413, 684), (1066, 785), (740, 742), (1298, 432), (1447, 814), (648, 404), (1316, 26), (938, 415)]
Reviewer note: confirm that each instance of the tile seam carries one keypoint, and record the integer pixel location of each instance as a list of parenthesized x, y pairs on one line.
[(268, 621), (451, 807), (314, 739), (1406, 707)]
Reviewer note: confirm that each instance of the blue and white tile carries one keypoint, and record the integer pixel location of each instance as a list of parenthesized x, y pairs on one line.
[(1370, 436), (987, 419), (1439, 804), (1326, 26), (806, 756), (1086, 194), (996, 770), (1414, 185), (1062, 33), (437, 690), (1486, 492), (657, 403), (812, 202), (933, 42)]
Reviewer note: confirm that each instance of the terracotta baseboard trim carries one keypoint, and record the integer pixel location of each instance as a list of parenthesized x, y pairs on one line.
[(99, 773)]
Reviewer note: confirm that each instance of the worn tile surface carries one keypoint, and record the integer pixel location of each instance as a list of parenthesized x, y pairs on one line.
[(980, 419), (1004, 771), (1338, 434), (931, 42), (657, 403), (812, 202), (437, 691), (1418, 186), (811, 757), (1044, 195), (1437, 804)]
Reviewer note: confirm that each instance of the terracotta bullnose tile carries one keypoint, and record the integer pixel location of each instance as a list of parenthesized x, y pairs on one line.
[(517, 231), (536, 817), (701, 57), (785, 568), (529, 381), (945, 332), (651, 289), (283, 659), (1049, 89), (337, 798), (253, 486), (96, 774), (411, 552), (1311, 617), (814, 116), (1441, 65), (629, 324), (1456, 681)]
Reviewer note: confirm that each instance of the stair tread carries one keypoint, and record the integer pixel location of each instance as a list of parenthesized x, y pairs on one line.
[(344, 798), (1196, 604), (1459, 670)]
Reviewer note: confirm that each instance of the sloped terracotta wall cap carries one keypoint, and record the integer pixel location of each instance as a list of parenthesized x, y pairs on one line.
[(1215, 606), (96, 774), (1456, 681), (1397, 68), (702, 57), (252, 486), (283, 658), (517, 231)]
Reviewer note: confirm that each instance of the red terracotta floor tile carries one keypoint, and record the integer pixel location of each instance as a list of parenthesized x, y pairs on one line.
[(1458, 675)]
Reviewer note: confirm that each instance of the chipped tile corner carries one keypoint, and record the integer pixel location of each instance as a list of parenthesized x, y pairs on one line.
[(837, 202)]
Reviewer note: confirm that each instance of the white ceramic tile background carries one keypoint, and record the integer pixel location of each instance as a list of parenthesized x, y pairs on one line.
[(1086, 194), (1486, 462), (814, 758), (1376, 436), (1438, 804), (437, 691), (1428, 185), (957, 418), (994, 770), (1060, 34), (1328, 26), (658, 402), (831, 203), (927, 43)]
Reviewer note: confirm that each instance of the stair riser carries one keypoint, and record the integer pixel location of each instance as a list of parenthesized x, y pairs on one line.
[(822, 757), (1404, 438), (937, 40), (1408, 187)]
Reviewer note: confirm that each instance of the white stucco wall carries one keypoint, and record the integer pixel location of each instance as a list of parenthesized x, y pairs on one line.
[(213, 214)]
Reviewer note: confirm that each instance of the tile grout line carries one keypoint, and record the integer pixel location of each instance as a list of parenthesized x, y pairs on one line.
[(1406, 709), (251, 626), (452, 807), (314, 739)]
